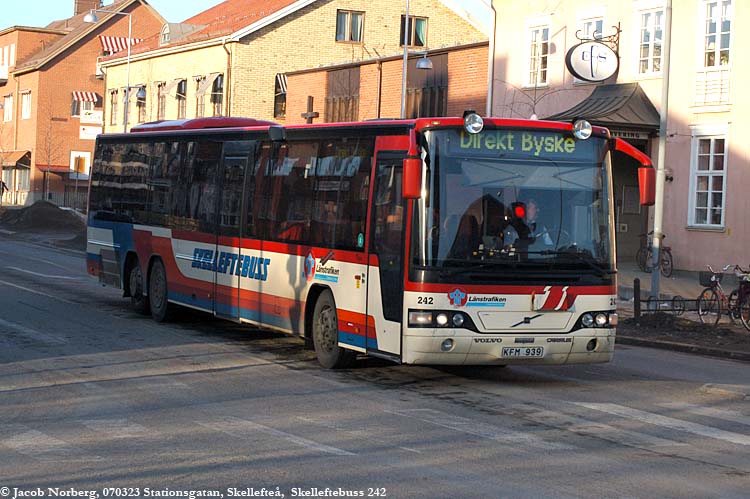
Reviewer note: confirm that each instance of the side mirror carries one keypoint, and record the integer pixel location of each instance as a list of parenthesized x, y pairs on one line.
[(411, 187), (647, 185)]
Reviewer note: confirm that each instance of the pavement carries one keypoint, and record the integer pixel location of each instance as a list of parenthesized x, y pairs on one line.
[(682, 283)]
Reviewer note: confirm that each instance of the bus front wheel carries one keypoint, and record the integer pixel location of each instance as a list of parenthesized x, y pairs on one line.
[(325, 333), (157, 292)]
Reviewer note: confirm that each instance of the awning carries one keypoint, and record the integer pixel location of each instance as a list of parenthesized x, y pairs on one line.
[(281, 80), (53, 168), (622, 105), (17, 159), (114, 44), (86, 96), (172, 85), (207, 83)]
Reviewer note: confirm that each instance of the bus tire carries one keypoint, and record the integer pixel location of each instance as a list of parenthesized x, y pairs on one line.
[(325, 333), (138, 300), (158, 297)]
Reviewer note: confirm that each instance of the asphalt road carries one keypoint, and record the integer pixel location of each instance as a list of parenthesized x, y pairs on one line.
[(95, 397)]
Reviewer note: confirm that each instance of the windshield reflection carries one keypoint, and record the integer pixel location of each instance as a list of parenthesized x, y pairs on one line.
[(488, 209)]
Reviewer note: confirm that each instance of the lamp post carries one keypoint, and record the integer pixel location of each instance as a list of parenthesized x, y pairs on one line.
[(91, 17)]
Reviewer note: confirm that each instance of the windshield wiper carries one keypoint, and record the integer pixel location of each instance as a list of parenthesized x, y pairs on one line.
[(580, 256)]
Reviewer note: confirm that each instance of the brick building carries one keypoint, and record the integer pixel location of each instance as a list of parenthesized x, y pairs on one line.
[(233, 59), (52, 99), (372, 89)]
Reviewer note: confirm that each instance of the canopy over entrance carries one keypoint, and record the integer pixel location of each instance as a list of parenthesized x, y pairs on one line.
[(16, 159), (621, 106)]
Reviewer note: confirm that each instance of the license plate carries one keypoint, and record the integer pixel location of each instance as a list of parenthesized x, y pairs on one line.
[(523, 352)]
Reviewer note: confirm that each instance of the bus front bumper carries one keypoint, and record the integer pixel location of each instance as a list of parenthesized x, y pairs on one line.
[(586, 346)]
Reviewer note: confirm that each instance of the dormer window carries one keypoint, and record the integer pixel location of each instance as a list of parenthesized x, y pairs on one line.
[(164, 38)]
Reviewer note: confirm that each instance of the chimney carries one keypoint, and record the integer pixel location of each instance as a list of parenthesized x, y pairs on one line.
[(83, 6)]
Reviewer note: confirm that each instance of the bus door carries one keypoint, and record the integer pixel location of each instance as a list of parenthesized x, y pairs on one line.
[(237, 161), (386, 281)]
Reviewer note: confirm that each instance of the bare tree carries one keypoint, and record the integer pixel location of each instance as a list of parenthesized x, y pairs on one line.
[(50, 145)]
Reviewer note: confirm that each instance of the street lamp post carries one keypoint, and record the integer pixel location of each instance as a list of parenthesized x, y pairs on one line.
[(91, 17), (406, 61)]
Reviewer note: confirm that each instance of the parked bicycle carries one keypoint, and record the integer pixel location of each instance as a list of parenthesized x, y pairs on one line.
[(645, 255), (713, 300)]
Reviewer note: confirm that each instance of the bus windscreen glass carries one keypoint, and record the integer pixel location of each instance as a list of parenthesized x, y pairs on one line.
[(527, 200)]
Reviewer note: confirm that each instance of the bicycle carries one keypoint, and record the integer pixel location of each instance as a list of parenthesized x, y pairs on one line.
[(645, 255), (713, 298)]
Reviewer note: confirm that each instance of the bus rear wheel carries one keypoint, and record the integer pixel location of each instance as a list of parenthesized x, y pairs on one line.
[(138, 300), (325, 333), (157, 292)]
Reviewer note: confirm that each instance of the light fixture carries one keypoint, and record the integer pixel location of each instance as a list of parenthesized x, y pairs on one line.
[(91, 17), (473, 123), (425, 62), (141, 94), (582, 129)]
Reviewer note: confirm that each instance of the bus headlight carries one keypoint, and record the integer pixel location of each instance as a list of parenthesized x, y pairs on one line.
[(582, 129), (441, 319), (473, 123), (419, 318), (458, 320), (601, 319), (587, 320)]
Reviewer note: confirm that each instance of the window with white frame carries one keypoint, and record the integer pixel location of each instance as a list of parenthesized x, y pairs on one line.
[(591, 29), (717, 34), (708, 182), (200, 102), (140, 105), (181, 96), (652, 29), (538, 54), (161, 106), (416, 32), (26, 105), (8, 108), (24, 179)]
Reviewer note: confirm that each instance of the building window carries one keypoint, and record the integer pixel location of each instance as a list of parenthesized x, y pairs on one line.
[(181, 97), (24, 179), (342, 99), (591, 29), (708, 182), (279, 101), (717, 33), (417, 31), (25, 105), (8, 108), (199, 97), (217, 96), (79, 106), (140, 105), (165, 36), (161, 108), (538, 53), (652, 25), (349, 26), (113, 107), (427, 91)]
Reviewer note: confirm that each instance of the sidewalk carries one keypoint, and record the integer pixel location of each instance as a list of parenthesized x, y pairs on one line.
[(683, 283)]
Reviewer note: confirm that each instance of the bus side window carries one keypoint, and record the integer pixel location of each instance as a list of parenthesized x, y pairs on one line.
[(204, 187), (254, 184), (133, 205)]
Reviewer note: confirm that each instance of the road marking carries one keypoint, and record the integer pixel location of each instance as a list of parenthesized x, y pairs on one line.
[(712, 412), (46, 276), (116, 428), (37, 292), (43, 447), (34, 334), (667, 422), (479, 429), (596, 429), (240, 428)]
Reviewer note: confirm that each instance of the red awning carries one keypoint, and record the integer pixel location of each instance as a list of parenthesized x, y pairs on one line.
[(114, 44), (85, 96), (54, 168)]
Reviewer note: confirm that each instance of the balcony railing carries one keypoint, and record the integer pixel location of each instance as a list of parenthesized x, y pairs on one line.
[(712, 87)]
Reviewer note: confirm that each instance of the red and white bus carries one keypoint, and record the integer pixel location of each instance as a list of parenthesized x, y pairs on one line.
[(427, 241)]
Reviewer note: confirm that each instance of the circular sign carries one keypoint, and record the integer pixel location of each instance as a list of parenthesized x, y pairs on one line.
[(592, 61)]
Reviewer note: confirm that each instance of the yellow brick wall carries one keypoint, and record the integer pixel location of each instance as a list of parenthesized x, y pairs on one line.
[(305, 39)]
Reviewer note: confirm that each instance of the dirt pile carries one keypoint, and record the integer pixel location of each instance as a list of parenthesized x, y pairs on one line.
[(41, 215)]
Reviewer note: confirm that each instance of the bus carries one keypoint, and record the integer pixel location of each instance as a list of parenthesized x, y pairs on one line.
[(463, 240)]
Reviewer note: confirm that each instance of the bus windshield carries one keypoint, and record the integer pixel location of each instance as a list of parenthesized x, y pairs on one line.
[(514, 199)]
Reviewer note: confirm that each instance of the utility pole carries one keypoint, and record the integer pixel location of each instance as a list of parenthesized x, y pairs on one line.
[(660, 166)]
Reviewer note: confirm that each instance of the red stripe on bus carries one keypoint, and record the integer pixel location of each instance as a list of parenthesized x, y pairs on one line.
[(507, 290)]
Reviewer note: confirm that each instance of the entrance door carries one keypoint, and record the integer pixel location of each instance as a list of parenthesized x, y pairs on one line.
[(386, 282), (237, 156)]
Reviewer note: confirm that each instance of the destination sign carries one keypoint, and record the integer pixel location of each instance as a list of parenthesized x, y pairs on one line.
[(522, 143)]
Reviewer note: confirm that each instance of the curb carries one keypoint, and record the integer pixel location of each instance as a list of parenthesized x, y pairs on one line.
[(683, 347)]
